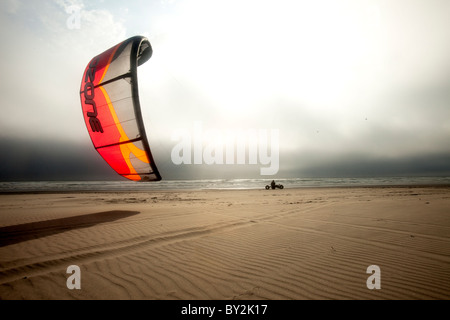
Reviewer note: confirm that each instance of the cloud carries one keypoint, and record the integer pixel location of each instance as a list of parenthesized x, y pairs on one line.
[(25, 160), (12, 6), (321, 164), (42, 72)]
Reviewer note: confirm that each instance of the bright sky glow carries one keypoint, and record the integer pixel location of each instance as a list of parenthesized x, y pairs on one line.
[(344, 77)]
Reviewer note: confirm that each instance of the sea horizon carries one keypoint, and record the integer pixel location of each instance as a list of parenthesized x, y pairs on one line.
[(213, 184)]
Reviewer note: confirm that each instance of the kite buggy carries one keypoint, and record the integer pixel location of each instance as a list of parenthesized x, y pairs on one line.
[(273, 185)]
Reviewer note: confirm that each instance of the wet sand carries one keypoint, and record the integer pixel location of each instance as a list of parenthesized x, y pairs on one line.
[(228, 244)]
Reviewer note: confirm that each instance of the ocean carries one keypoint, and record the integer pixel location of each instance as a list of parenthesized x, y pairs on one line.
[(125, 185)]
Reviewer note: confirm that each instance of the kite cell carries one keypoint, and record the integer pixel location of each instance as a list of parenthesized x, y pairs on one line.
[(110, 103)]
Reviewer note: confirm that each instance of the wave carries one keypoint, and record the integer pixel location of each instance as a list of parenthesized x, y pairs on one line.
[(245, 184)]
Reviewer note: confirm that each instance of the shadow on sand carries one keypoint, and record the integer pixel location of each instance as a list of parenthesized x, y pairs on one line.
[(34, 230)]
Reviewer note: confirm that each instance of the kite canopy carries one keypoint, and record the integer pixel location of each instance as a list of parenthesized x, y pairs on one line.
[(110, 103)]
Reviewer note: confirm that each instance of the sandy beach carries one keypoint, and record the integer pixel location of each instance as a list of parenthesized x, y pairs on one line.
[(295, 244)]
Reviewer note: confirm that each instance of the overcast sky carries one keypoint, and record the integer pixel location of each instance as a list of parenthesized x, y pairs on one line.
[(355, 87)]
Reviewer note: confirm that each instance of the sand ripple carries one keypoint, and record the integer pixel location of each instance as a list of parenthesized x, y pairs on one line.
[(288, 244)]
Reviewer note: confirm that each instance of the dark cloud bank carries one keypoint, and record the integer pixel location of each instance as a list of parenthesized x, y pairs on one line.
[(57, 161)]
